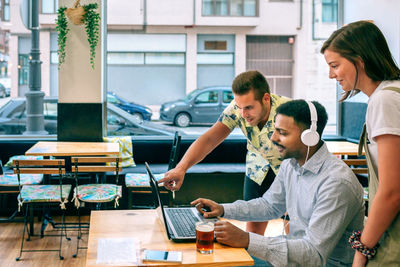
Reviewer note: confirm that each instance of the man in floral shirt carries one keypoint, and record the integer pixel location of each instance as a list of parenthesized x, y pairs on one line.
[(253, 110)]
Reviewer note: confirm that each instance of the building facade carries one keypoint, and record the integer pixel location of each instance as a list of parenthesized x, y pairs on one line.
[(159, 51)]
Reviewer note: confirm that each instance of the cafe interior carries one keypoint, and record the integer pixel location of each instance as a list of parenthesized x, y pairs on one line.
[(88, 198)]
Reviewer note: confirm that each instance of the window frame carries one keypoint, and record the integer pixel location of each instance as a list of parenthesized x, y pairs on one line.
[(55, 4), (5, 4), (23, 68), (229, 4)]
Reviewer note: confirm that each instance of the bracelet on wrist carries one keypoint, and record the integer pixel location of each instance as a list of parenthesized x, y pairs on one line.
[(355, 242)]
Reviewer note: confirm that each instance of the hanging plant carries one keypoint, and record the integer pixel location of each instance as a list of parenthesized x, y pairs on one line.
[(92, 26), (78, 15), (62, 29)]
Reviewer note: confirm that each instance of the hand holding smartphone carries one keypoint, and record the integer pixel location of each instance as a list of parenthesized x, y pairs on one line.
[(162, 256)]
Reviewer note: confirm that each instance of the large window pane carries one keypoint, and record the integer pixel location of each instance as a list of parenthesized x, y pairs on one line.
[(208, 7), (23, 69), (236, 7), (125, 58), (221, 7), (205, 58), (165, 58), (6, 10), (48, 6), (329, 11), (250, 8)]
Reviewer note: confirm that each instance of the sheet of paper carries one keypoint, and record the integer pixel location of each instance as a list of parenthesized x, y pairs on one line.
[(117, 250)]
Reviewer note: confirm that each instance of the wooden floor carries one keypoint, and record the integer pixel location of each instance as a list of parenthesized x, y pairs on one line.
[(10, 242)]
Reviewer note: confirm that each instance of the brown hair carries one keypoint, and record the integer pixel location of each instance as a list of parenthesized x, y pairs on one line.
[(251, 80), (363, 40)]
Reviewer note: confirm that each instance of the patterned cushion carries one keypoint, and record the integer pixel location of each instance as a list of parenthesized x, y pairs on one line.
[(10, 179), (10, 161), (98, 192), (43, 193), (140, 179), (125, 150)]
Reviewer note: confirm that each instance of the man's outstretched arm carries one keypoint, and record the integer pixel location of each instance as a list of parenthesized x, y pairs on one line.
[(200, 148)]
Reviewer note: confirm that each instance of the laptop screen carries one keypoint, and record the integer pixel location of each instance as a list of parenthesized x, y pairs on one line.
[(157, 198)]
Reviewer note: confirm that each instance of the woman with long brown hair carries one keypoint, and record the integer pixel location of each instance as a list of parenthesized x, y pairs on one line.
[(360, 60)]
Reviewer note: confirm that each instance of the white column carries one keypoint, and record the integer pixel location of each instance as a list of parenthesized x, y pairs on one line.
[(240, 53), (13, 65), (191, 62), (45, 58), (77, 81)]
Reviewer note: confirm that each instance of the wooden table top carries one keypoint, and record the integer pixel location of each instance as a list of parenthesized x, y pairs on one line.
[(342, 148), (145, 226), (45, 148)]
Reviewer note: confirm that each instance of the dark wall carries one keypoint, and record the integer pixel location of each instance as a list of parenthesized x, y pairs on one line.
[(352, 119)]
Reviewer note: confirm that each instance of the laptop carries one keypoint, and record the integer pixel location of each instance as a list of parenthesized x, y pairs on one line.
[(179, 222)]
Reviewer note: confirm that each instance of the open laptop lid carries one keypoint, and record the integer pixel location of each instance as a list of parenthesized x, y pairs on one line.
[(157, 199)]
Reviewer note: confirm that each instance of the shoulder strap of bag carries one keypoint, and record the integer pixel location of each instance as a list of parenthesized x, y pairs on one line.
[(363, 144), (394, 89)]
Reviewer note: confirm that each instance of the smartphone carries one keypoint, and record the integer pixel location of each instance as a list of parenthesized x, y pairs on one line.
[(163, 256)]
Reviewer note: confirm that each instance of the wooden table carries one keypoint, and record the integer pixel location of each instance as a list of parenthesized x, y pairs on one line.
[(145, 226), (44, 148), (342, 148)]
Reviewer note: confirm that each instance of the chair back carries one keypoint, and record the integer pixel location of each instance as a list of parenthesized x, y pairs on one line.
[(95, 164), (358, 166), (173, 158)]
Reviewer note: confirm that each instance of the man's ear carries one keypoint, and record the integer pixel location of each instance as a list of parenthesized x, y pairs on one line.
[(266, 98)]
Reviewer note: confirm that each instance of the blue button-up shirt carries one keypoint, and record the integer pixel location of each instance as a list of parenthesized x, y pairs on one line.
[(325, 203)]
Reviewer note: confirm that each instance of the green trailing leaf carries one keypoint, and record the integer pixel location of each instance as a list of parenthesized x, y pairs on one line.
[(91, 19), (62, 29), (92, 26)]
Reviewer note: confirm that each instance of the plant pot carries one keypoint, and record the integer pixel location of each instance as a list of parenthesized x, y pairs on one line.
[(75, 14)]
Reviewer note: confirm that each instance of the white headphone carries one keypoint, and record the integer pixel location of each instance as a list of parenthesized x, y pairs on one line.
[(310, 137)]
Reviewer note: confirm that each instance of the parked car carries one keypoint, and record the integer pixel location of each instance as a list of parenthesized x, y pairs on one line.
[(200, 106), (138, 111), (3, 91), (119, 122)]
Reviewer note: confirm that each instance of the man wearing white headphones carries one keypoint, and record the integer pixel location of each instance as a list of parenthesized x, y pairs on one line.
[(320, 192)]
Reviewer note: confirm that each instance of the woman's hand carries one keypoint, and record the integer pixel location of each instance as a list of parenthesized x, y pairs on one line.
[(359, 260)]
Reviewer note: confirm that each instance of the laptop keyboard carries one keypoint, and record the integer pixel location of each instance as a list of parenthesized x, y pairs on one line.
[(184, 221)]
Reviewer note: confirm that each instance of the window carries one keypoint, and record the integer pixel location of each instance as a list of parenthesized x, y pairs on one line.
[(227, 96), (49, 6), (5, 11), (215, 45), (149, 58), (215, 59), (235, 8), (120, 58), (53, 57), (165, 58), (329, 10), (50, 110), (207, 97), (325, 18), (23, 69)]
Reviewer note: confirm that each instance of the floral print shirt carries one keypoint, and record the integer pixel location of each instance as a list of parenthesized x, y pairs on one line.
[(261, 153)]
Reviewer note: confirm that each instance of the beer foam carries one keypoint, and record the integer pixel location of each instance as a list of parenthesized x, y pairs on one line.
[(205, 227)]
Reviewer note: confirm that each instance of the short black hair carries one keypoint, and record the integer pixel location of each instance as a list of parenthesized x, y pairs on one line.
[(300, 112), (251, 80)]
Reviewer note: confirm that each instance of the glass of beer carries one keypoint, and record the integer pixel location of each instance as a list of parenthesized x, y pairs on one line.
[(205, 237)]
